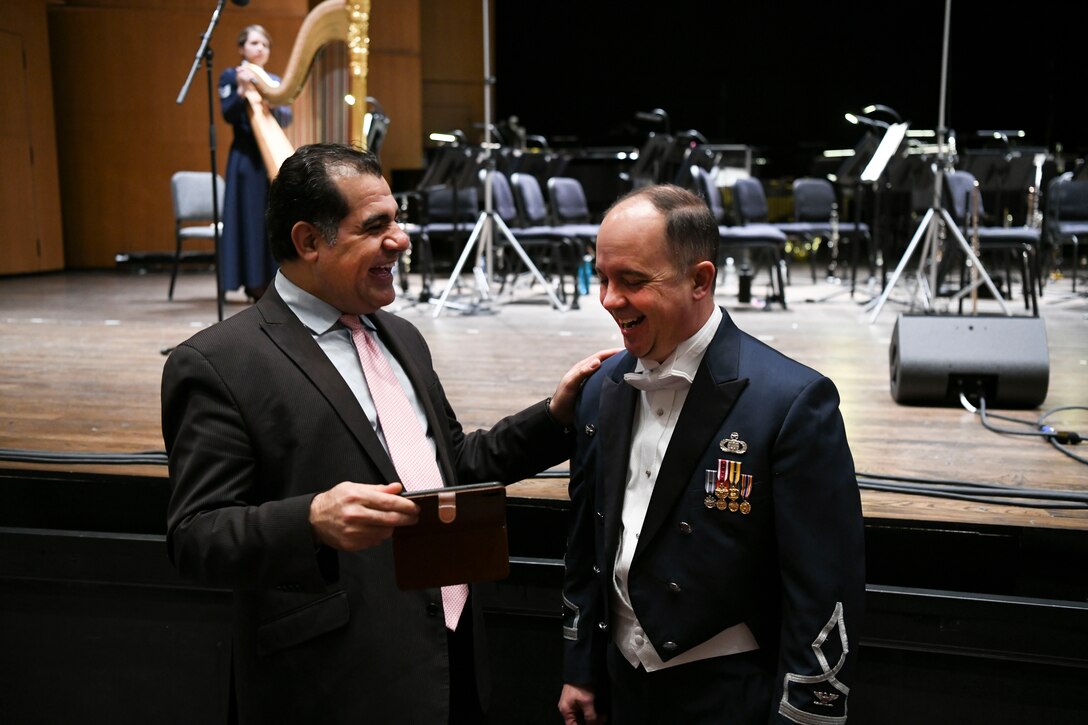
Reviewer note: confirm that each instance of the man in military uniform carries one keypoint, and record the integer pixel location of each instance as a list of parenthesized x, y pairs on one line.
[(715, 564)]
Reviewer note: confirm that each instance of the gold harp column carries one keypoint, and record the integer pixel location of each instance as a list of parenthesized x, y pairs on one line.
[(358, 61)]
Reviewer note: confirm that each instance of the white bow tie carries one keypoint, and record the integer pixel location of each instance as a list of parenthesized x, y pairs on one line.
[(658, 379)]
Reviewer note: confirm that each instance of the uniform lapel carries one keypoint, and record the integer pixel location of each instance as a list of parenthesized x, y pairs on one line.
[(712, 395), (618, 401), (295, 341)]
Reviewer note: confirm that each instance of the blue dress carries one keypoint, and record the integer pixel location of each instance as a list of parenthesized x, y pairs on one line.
[(244, 256)]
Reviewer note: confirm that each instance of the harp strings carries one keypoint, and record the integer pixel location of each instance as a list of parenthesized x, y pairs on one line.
[(321, 114)]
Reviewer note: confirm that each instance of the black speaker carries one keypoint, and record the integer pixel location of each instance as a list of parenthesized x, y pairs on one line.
[(933, 358)]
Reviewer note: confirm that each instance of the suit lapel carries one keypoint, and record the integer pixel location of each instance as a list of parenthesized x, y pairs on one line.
[(295, 341), (712, 395)]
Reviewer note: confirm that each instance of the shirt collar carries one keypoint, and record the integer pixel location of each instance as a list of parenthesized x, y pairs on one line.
[(317, 315), (685, 359)]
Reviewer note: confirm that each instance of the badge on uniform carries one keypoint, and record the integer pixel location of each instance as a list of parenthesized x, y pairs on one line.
[(733, 444)]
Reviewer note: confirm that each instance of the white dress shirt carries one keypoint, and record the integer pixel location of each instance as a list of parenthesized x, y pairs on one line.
[(663, 390)]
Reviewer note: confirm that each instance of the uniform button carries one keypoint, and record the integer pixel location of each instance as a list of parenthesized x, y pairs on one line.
[(602, 626), (432, 609), (647, 473), (637, 640), (596, 569), (674, 588), (600, 515), (685, 527), (670, 646), (660, 412)]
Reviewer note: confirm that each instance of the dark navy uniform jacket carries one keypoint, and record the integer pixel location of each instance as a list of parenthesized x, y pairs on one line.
[(792, 568)]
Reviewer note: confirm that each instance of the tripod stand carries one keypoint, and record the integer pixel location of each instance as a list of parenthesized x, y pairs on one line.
[(483, 233), (204, 54), (484, 230), (935, 219)]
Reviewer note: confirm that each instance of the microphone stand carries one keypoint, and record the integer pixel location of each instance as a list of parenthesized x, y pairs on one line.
[(204, 54), (936, 220), (489, 218)]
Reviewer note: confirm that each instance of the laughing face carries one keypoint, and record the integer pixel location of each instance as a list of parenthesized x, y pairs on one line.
[(655, 305), (355, 273)]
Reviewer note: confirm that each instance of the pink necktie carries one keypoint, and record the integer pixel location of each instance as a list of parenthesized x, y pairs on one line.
[(405, 438)]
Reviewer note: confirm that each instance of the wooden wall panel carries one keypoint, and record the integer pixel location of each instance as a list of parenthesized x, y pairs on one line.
[(117, 69), (403, 146), (118, 72), (29, 189), (395, 79), (453, 66)]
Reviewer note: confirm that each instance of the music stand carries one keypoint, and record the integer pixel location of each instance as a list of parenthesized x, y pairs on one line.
[(484, 230), (935, 218), (849, 174), (445, 184)]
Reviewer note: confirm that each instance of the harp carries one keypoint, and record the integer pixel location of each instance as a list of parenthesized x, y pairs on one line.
[(332, 20)]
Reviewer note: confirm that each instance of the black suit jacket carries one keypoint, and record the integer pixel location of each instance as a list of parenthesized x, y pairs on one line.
[(792, 569), (257, 421)]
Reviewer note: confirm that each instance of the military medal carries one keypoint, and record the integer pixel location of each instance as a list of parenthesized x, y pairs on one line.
[(728, 473), (746, 480), (733, 444), (711, 482), (719, 491)]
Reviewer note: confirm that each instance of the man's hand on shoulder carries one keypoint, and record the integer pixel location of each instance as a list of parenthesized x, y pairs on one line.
[(561, 404)]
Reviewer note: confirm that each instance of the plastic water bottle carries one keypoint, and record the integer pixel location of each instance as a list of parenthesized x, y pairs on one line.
[(585, 272)]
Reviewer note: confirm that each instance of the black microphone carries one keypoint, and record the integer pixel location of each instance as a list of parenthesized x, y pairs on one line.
[(657, 114)]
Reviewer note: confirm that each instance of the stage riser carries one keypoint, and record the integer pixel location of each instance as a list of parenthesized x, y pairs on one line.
[(104, 613)]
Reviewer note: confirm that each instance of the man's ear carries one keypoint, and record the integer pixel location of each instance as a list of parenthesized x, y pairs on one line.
[(306, 238), (703, 279)]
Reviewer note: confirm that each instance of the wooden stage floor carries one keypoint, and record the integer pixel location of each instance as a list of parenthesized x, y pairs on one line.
[(81, 357)]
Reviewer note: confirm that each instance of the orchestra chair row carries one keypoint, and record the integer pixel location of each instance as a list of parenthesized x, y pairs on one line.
[(1065, 219), (553, 249), (995, 242), (815, 214), (745, 241)]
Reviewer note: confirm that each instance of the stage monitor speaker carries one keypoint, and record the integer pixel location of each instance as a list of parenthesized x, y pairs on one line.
[(933, 358)]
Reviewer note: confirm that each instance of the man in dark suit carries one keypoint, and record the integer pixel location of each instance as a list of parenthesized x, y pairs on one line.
[(715, 563), (282, 487)]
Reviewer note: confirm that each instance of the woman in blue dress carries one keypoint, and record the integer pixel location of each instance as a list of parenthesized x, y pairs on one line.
[(244, 257)]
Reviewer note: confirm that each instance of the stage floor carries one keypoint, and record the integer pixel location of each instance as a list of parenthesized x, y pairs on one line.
[(82, 357)]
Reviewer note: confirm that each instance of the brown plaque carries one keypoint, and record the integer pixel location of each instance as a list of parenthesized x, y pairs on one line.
[(460, 538)]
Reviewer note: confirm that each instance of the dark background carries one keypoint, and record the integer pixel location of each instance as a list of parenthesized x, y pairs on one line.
[(780, 75)]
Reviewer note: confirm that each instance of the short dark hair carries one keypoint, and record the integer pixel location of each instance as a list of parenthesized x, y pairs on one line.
[(691, 232), (304, 191)]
